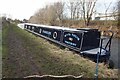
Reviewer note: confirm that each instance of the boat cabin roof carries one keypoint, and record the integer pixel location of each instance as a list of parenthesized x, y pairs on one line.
[(61, 28)]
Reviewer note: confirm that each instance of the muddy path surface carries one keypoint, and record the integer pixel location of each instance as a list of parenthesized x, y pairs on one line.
[(18, 60)]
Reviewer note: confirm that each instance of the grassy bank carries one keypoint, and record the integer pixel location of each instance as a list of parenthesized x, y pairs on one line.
[(44, 56), (4, 34)]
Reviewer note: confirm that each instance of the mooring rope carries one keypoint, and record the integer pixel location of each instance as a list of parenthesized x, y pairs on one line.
[(53, 76)]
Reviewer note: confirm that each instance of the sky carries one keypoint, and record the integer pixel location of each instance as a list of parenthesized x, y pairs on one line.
[(23, 9)]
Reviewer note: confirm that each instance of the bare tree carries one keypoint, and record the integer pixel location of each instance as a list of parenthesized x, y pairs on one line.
[(49, 14), (88, 10), (59, 11), (55, 12), (74, 8), (118, 6), (107, 8), (115, 11)]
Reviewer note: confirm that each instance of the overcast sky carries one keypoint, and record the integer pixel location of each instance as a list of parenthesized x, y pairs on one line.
[(23, 9)]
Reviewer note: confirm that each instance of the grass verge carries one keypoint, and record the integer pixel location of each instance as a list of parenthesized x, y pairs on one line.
[(52, 60)]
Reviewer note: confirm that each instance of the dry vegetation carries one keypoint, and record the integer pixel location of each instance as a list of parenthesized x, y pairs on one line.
[(77, 14)]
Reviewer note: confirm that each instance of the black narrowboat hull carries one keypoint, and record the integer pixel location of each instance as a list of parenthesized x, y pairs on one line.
[(80, 40)]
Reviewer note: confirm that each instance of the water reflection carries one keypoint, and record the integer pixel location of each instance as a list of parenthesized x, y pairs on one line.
[(114, 51)]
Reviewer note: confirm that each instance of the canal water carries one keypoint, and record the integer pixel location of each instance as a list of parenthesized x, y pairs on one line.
[(115, 50)]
